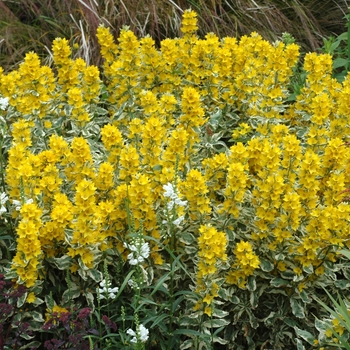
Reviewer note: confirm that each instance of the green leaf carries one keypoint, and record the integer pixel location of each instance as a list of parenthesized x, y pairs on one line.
[(90, 299), (305, 298), (62, 263), (251, 283), (288, 274), (308, 269), (96, 275), (342, 284), (340, 62), (280, 256), (297, 308), (187, 332), (214, 323), (300, 345), (187, 237), (71, 293), (100, 111), (278, 282), (266, 265), (345, 252), (235, 299), (305, 335), (37, 316), (220, 313), (187, 344)]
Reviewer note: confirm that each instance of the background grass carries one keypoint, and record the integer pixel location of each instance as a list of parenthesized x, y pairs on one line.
[(31, 25)]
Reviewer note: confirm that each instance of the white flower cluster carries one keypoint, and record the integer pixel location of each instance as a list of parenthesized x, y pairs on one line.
[(139, 251), (3, 200), (174, 200), (142, 333), (106, 291), (4, 102)]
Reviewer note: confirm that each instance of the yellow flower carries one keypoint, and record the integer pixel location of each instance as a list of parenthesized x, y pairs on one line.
[(31, 298)]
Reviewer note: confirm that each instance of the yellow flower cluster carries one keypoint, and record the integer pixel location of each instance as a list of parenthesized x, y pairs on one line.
[(281, 189), (245, 263), (26, 262), (212, 252)]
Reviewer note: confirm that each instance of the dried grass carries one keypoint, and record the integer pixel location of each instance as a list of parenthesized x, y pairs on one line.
[(31, 25)]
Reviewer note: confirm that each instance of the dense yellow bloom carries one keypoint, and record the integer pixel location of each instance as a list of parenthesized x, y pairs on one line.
[(245, 264), (195, 190), (27, 259), (189, 22)]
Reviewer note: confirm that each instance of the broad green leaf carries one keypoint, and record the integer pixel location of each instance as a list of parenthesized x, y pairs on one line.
[(96, 275), (308, 269), (342, 284), (63, 263), (214, 323), (37, 316), (187, 344), (340, 62), (300, 345), (187, 332), (251, 283), (297, 307), (305, 335), (278, 282)]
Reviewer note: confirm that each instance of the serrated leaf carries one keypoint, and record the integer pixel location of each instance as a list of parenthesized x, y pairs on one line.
[(266, 265), (297, 307)]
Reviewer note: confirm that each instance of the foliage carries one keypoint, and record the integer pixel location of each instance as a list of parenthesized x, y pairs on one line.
[(180, 191), (29, 25), (339, 48)]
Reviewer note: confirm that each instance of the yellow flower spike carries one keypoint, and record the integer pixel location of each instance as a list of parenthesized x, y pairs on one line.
[(189, 22)]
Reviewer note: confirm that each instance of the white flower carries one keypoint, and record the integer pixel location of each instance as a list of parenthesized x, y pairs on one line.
[(179, 220), (170, 205), (139, 252), (106, 290), (169, 191), (3, 200), (142, 332), (4, 102), (179, 202)]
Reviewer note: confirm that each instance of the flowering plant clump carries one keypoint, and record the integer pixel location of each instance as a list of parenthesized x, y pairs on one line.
[(187, 175)]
